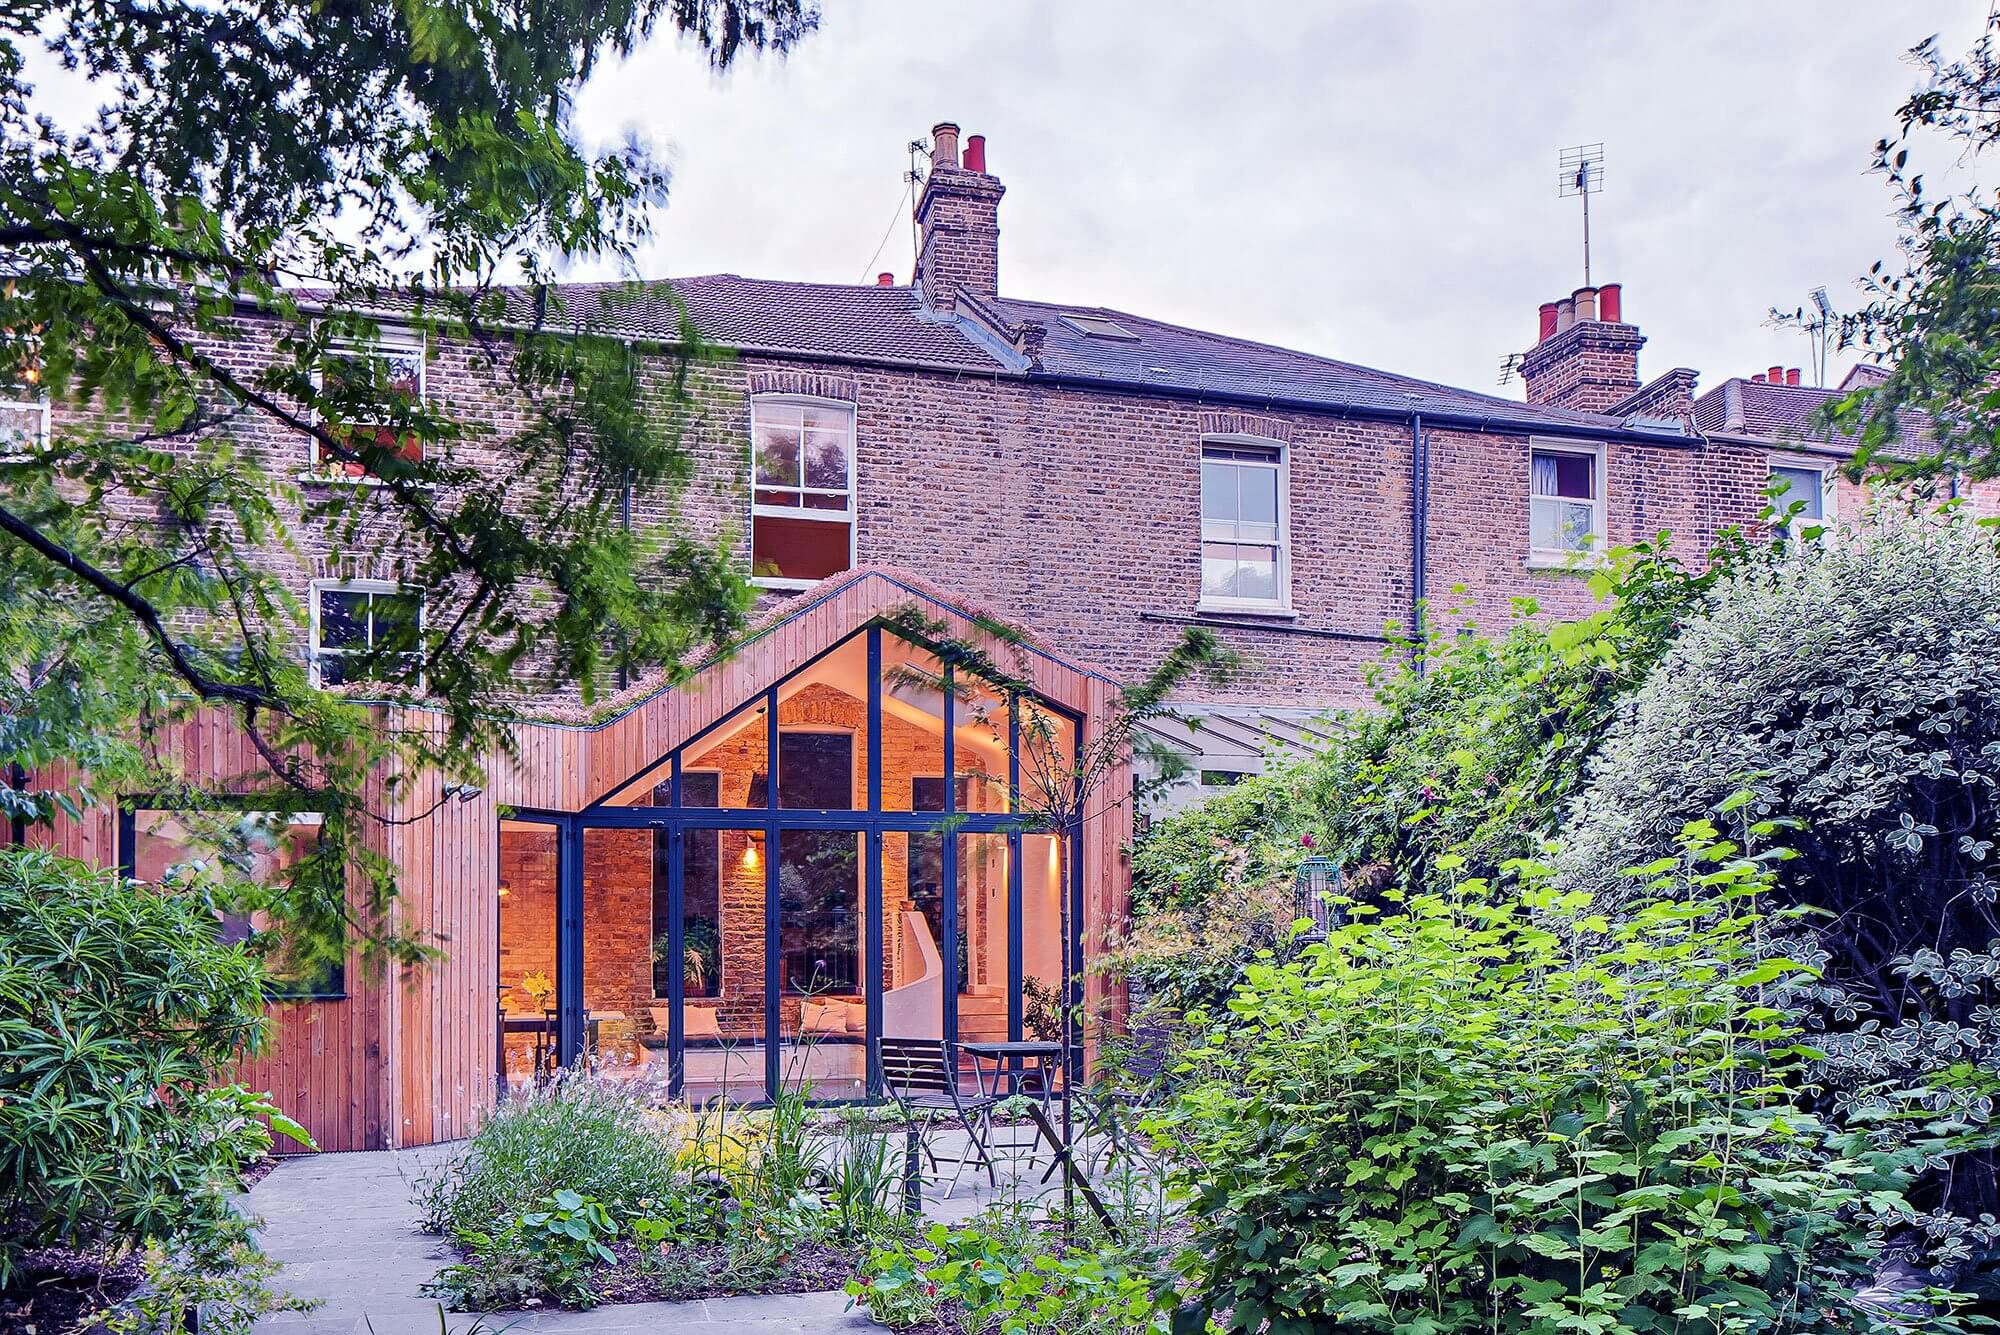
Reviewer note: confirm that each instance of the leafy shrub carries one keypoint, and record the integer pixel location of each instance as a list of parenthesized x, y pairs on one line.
[(1003, 1271), (119, 1008), (551, 1249), (1472, 754), (584, 1136), (1856, 691), (1506, 1112)]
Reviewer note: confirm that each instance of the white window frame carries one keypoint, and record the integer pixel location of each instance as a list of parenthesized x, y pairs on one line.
[(1282, 464), (849, 516), (389, 337), (1829, 490), (1560, 558), (39, 404), (319, 586)]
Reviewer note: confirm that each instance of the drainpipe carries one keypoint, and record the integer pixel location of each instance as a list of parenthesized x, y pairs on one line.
[(1420, 505), (17, 831), (624, 640)]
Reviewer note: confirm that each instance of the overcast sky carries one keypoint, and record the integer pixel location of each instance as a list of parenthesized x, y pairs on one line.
[(1375, 182)]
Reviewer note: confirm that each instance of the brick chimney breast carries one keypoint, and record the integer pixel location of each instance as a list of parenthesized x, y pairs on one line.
[(958, 222), (1588, 364)]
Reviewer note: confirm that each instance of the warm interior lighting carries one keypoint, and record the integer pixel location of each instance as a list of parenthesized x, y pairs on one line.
[(750, 852)]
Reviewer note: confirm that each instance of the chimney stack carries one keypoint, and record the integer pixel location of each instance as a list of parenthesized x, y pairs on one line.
[(958, 222), (1586, 357)]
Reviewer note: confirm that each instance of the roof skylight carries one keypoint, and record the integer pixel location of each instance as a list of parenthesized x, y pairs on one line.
[(1099, 326)]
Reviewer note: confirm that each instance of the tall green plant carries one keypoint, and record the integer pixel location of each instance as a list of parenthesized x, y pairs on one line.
[(119, 1009), (1499, 1110), (1473, 749)]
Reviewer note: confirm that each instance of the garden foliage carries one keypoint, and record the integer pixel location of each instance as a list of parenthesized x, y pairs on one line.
[(1497, 1111), (1855, 690), (1472, 752), (119, 1008), (592, 1186)]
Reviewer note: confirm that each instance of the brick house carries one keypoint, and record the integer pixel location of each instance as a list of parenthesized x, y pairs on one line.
[(823, 840)]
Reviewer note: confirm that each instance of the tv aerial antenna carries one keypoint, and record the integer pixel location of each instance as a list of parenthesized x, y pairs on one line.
[(1580, 172)]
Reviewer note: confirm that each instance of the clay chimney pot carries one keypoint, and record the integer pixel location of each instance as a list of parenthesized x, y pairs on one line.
[(1548, 322), (975, 153), (1565, 314), (1585, 299), (944, 144), (1611, 303), (885, 280)]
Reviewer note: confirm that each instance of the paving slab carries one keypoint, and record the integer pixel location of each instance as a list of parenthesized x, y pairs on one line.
[(346, 1229)]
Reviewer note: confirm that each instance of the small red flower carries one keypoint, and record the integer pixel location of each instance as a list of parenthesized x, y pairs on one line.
[(1306, 840)]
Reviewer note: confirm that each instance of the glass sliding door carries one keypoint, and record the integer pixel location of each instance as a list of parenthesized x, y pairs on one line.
[(822, 947), (528, 962)]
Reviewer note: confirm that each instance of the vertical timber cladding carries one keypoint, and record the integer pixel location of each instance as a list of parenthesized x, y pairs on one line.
[(406, 1056), (325, 1061), (447, 1015)]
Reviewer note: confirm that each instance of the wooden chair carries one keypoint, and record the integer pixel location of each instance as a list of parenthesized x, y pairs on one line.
[(921, 1079)]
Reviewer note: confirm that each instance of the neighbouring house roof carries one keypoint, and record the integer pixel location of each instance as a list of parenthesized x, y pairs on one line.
[(1240, 737), (886, 324), (1781, 413)]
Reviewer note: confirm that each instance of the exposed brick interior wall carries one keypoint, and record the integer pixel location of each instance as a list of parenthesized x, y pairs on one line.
[(618, 871)]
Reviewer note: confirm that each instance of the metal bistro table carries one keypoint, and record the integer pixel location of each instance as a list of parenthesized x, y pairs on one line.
[(1006, 1071), (1002, 1065)]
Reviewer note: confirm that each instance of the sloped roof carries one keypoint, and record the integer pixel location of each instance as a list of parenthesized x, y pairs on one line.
[(892, 325), (1780, 413), (1176, 358), (889, 324)]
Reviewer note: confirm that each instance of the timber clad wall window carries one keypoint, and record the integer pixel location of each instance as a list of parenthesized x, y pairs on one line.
[(180, 850), (364, 630), (1245, 561), (802, 490), (1809, 486), (24, 423), (1565, 501), (388, 368)]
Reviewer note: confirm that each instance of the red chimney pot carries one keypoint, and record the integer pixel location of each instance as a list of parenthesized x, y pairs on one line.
[(1609, 302), (1776, 375), (1792, 376), (1757, 379), (885, 280), (975, 153), (1548, 322)]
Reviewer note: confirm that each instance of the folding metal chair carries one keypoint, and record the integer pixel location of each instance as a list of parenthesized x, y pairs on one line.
[(918, 1076)]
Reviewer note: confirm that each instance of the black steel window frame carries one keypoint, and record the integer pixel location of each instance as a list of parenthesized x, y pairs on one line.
[(872, 823), (129, 807)]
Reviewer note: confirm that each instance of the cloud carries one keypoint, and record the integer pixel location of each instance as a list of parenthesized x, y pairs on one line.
[(1369, 181)]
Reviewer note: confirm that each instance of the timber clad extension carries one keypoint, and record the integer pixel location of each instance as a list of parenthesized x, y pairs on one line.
[(803, 844)]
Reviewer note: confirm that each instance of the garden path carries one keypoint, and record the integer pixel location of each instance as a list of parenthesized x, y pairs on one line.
[(345, 1227), (346, 1230)]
